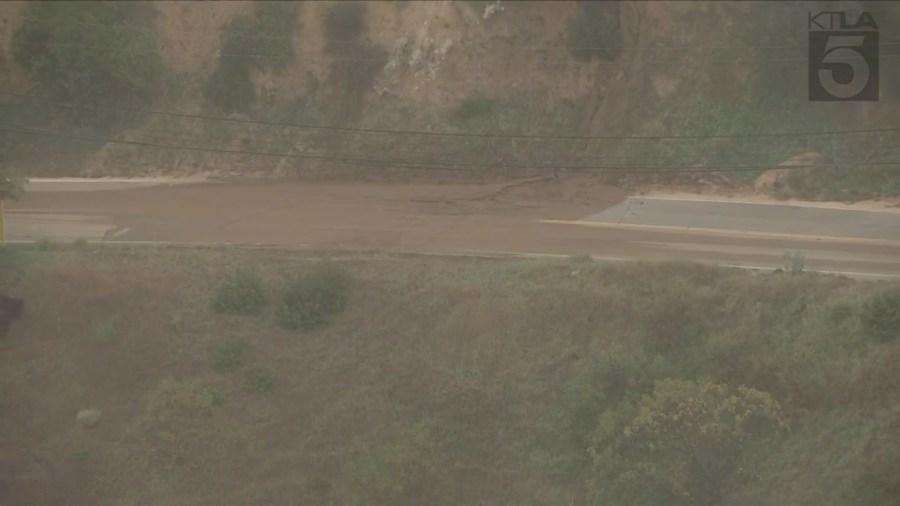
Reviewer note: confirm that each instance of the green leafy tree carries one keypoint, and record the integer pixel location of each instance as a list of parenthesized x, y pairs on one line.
[(312, 300), (881, 314), (689, 443), (89, 51), (263, 41), (594, 31), (230, 87)]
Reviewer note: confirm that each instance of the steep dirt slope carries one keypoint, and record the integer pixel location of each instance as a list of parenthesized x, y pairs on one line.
[(537, 68)]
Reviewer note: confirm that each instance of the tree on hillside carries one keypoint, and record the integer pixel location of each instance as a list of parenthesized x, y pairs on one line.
[(692, 443), (89, 51)]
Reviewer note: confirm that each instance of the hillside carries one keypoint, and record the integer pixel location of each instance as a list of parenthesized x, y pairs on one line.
[(439, 381), (561, 68)]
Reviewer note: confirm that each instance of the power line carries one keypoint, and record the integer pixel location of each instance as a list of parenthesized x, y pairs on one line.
[(185, 27), (567, 62), (455, 166), (499, 159), (174, 136), (504, 155), (486, 135)]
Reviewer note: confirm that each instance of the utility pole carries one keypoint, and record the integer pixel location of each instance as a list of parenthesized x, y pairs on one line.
[(2, 225)]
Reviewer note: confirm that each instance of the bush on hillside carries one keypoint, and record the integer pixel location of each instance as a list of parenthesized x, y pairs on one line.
[(183, 424), (344, 26), (355, 63), (261, 380), (879, 475), (251, 43), (688, 440), (89, 51), (229, 87), (474, 107), (243, 291), (275, 22), (105, 331), (881, 315), (594, 31), (229, 353), (311, 300)]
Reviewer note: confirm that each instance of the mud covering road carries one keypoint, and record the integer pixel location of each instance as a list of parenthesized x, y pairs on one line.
[(542, 217)]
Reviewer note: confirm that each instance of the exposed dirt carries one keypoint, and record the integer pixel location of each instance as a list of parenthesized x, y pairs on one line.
[(346, 214), (433, 218), (190, 32), (452, 50), (12, 77)]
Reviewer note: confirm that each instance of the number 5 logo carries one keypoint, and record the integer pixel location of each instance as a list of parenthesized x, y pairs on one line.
[(841, 52), (843, 66)]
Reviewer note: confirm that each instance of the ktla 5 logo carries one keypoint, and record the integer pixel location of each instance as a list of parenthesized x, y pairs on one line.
[(843, 57)]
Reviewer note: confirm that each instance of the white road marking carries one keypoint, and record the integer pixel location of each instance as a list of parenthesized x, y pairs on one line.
[(722, 231), (786, 203), (137, 180)]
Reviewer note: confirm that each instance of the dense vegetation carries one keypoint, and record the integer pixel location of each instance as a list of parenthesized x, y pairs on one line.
[(89, 52), (594, 31), (436, 381), (264, 41)]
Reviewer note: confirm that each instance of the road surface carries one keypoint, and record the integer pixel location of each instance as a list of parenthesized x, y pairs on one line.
[(546, 217)]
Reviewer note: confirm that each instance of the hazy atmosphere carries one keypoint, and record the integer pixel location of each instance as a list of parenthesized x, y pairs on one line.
[(481, 253)]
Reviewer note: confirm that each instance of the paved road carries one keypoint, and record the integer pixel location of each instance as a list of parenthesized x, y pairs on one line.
[(771, 218), (546, 218)]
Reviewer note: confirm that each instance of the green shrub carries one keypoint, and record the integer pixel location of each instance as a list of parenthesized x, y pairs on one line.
[(355, 62), (690, 440), (228, 353), (344, 24), (229, 87), (174, 399), (105, 331), (879, 473), (182, 424), (881, 315), (474, 107), (261, 380), (311, 300), (64, 52), (264, 41), (243, 291), (275, 22), (392, 468), (594, 32)]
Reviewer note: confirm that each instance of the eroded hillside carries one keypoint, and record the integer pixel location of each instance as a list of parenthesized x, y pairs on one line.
[(563, 69)]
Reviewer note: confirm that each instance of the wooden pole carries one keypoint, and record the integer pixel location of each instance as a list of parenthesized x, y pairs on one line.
[(2, 225)]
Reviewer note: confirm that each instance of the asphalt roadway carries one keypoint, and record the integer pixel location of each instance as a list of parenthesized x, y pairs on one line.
[(546, 217)]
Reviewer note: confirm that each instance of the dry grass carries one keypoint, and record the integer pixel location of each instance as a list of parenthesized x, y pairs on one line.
[(444, 381)]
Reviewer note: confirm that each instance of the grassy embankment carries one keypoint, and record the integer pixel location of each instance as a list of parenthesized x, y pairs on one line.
[(389, 380)]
